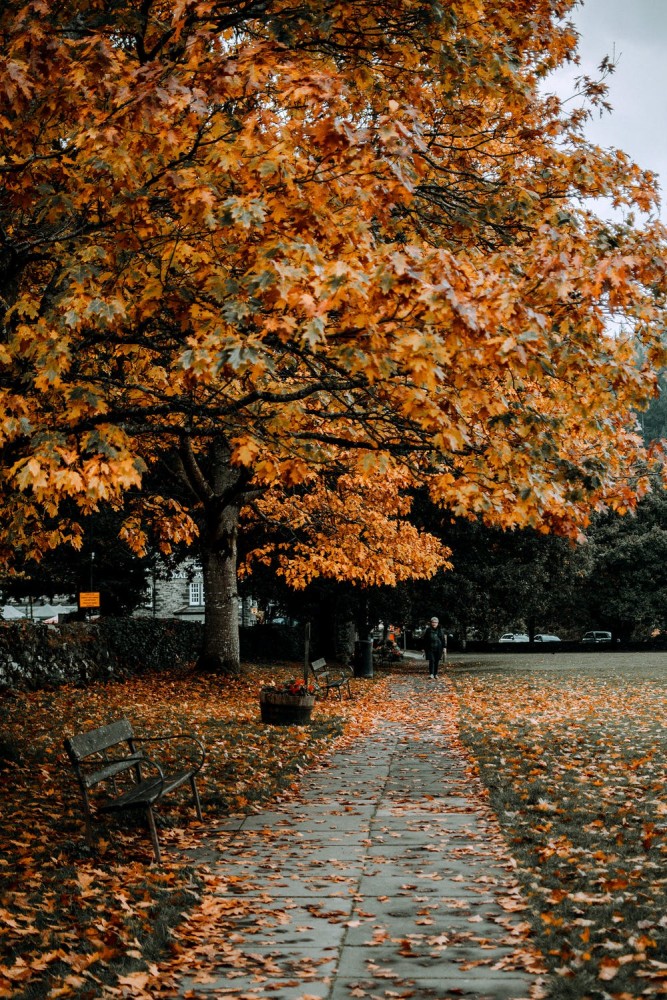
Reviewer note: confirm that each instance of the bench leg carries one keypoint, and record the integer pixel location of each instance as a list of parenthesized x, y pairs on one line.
[(195, 793), (90, 841), (153, 831)]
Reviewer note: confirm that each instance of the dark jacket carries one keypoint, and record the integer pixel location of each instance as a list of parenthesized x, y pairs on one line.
[(433, 640)]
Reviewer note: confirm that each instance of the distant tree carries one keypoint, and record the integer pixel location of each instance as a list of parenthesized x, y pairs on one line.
[(625, 590), (502, 580), (103, 563), (653, 421), (616, 578)]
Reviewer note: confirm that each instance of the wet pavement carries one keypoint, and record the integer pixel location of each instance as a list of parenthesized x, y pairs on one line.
[(386, 877)]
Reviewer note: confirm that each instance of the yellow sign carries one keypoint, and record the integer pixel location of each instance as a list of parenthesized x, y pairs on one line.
[(91, 600)]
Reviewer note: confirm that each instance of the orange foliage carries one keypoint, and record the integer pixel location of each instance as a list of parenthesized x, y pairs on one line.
[(355, 530), (307, 232)]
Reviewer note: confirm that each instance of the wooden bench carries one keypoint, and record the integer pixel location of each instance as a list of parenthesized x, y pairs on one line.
[(331, 679), (114, 754)]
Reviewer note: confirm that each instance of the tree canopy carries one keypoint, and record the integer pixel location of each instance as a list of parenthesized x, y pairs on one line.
[(297, 246)]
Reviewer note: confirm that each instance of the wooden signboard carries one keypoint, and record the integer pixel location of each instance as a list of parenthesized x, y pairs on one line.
[(89, 600)]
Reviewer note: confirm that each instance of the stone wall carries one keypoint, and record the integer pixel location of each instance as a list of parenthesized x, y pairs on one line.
[(33, 655)]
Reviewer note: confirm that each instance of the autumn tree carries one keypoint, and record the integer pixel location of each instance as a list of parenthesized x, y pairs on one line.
[(291, 249)]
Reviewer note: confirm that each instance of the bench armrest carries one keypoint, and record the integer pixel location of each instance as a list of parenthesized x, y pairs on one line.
[(118, 765), (143, 760), (340, 674), (199, 752)]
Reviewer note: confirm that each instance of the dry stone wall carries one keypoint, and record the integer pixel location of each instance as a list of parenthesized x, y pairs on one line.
[(33, 655)]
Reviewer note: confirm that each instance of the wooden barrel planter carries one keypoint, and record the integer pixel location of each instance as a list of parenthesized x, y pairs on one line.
[(280, 708)]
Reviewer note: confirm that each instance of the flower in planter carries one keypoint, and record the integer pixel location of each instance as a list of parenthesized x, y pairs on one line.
[(294, 686)]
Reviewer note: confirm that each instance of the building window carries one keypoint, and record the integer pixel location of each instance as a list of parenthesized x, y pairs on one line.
[(197, 593)]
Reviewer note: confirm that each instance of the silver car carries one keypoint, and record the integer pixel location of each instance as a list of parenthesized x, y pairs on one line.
[(597, 637)]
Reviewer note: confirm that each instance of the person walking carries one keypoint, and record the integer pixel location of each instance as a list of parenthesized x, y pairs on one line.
[(434, 643)]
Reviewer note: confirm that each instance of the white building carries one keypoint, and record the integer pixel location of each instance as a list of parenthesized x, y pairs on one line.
[(50, 614), (181, 595)]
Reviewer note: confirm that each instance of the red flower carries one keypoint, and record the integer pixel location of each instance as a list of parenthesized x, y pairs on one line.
[(300, 687), (295, 686)]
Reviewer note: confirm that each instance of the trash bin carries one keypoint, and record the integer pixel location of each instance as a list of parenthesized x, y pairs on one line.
[(363, 658)]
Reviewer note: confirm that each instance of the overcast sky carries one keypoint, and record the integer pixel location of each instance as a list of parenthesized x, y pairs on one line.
[(635, 31)]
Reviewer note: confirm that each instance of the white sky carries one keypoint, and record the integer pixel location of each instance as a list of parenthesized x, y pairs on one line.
[(635, 31)]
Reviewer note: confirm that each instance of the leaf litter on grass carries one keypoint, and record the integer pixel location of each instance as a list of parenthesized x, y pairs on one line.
[(112, 924), (72, 920), (79, 925), (575, 766)]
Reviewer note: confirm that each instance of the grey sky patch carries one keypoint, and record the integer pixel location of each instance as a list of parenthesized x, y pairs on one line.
[(635, 32)]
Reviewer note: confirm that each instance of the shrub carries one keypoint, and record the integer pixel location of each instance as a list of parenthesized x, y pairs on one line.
[(34, 655)]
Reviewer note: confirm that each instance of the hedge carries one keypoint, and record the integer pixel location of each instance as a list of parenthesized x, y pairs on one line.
[(34, 655)]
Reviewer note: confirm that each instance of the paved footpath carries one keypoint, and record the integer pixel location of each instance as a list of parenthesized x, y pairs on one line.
[(386, 878)]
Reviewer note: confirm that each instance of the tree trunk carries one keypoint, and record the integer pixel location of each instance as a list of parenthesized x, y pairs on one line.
[(221, 651), (219, 487)]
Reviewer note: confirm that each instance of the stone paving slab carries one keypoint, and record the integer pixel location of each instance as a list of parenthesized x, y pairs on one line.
[(297, 979), (427, 884), (456, 986), (420, 960), (332, 823), (297, 888), (310, 852), (444, 924), (323, 811), (299, 925), (385, 878)]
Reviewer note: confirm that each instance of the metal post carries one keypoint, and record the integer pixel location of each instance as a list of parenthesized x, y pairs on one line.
[(306, 654), (92, 563)]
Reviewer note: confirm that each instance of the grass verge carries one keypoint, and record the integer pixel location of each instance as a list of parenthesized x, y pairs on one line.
[(575, 766)]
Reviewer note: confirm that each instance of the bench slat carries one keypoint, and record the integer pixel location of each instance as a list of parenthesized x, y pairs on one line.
[(96, 740), (147, 791), (112, 769)]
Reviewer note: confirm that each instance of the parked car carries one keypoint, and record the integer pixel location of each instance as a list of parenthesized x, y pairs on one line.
[(596, 636), (546, 638), (514, 637)]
